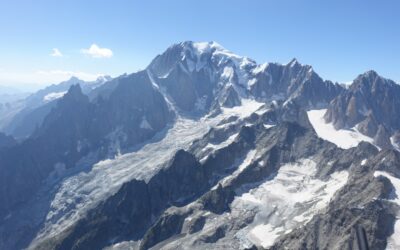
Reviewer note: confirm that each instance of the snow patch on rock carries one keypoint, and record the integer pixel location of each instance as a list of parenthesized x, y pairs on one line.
[(54, 95), (144, 124), (260, 68), (242, 166), (394, 144), (228, 73), (214, 147)]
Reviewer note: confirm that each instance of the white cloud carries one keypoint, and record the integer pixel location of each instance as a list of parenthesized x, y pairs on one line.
[(97, 52), (56, 52)]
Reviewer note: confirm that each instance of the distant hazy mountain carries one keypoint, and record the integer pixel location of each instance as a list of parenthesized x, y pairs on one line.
[(204, 149), (9, 90), (9, 95), (11, 101), (24, 118)]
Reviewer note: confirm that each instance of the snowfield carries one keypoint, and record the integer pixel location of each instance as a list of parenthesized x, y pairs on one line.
[(279, 204), (289, 200), (343, 138)]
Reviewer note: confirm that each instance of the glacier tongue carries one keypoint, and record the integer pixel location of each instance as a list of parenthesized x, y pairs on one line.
[(79, 193)]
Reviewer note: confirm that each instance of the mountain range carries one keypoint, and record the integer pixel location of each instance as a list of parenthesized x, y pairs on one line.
[(204, 149)]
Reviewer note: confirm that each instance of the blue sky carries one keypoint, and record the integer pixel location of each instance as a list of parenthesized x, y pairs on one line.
[(340, 39)]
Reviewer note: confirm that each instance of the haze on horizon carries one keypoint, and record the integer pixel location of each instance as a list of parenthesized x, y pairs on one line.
[(47, 42)]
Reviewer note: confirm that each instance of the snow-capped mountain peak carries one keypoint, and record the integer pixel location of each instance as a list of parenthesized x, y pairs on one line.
[(203, 51), (206, 47), (294, 62), (103, 79), (202, 149)]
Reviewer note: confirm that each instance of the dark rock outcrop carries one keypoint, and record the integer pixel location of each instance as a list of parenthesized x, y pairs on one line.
[(6, 141), (382, 138), (369, 102), (363, 201), (137, 203), (295, 82), (134, 112)]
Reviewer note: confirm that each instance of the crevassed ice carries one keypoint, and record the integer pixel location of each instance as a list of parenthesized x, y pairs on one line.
[(78, 193), (291, 199)]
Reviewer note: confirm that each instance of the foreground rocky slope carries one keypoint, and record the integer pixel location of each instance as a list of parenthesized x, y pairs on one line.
[(227, 201), (203, 149)]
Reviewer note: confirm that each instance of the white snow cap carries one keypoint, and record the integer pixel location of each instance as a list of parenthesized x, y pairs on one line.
[(293, 62), (203, 47), (215, 48)]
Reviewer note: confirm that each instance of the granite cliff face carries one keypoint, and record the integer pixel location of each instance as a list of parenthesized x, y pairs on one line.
[(205, 149), (371, 104), (293, 82)]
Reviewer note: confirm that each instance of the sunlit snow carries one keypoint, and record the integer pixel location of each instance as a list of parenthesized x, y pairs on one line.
[(220, 56), (287, 201), (343, 138), (260, 68), (52, 96), (394, 144), (228, 73)]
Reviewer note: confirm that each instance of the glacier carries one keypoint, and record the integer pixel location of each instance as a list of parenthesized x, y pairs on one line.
[(81, 192)]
